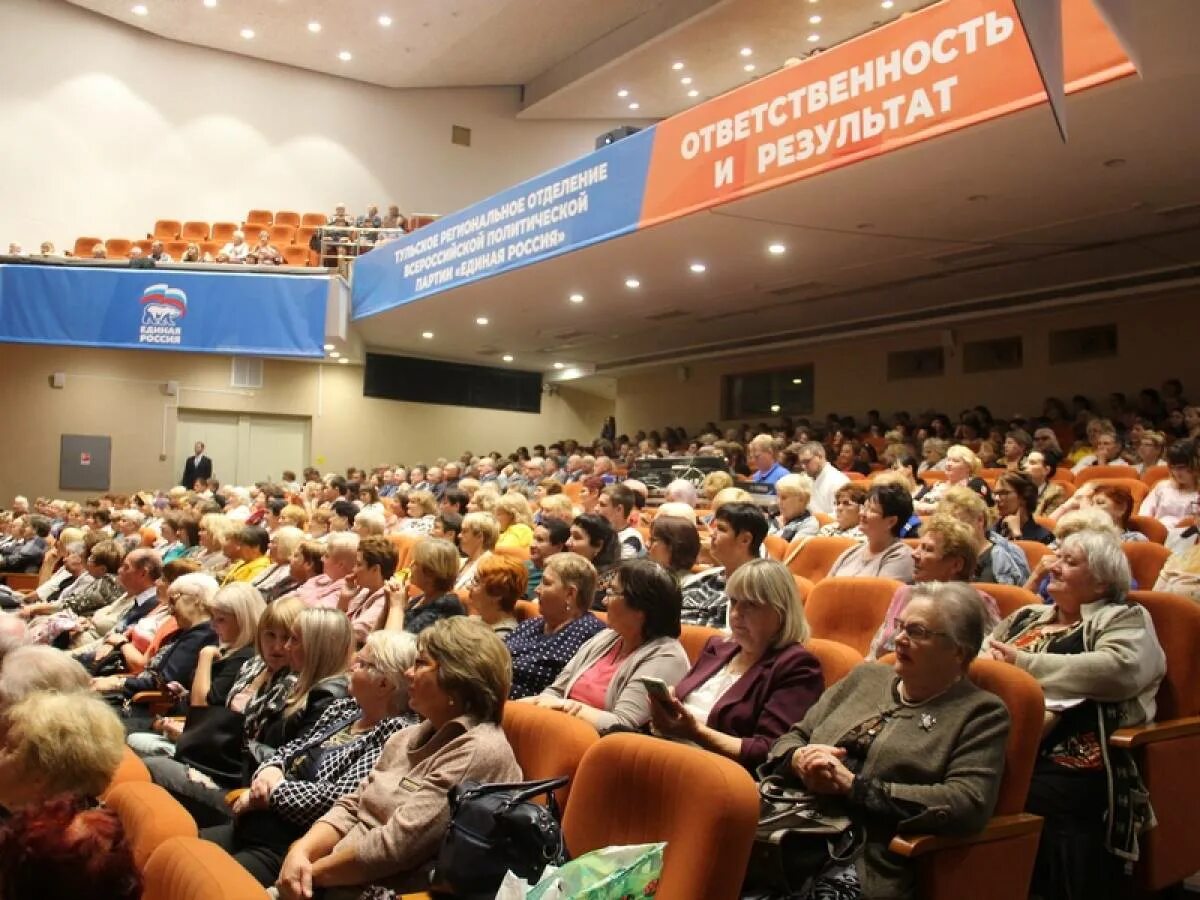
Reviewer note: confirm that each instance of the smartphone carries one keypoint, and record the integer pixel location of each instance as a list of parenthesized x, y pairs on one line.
[(657, 689)]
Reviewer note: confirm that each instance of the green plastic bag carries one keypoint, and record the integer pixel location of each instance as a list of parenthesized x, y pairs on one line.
[(613, 873)]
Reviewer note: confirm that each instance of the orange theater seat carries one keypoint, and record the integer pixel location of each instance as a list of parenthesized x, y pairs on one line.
[(998, 863), (150, 817), (286, 217), (144, 245), (694, 637), (1092, 473), (118, 248), (176, 249), (520, 554), (1155, 474), (836, 659), (194, 231), (420, 220), (282, 234), (259, 218), (1009, 597), (212, 248), (817, 555), (1145, 561), (166, 230), (313, 220), (1033, 550), (222, 232), (131, 769), (1153, 529), (83, 246), (303, 236), (1135, 487), (295, 256), (776, 546), (849, 610), (547, 743), (527, 609), (191, 869), (633, 789)]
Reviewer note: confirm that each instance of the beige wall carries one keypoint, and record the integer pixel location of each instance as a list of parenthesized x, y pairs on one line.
[(120, 393), (1156, 340)]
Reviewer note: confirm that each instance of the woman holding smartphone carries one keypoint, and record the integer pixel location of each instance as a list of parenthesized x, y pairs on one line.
[(746, 690)]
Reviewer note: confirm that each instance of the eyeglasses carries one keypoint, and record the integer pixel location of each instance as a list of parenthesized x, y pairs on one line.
[(915, 631)]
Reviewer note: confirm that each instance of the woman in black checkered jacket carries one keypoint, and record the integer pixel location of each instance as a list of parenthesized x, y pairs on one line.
[(304, 778)]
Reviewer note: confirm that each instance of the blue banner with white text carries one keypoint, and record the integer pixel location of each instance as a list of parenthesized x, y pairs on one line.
[(164, 309), (595, 198)]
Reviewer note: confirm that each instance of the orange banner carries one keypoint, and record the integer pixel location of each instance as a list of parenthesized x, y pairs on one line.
[(943, 68)]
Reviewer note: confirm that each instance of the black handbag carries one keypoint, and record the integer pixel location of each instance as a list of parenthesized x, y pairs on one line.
[(797, 841), (495, 828)]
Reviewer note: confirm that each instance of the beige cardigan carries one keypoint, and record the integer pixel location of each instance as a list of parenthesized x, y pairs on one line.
[(626, 702)]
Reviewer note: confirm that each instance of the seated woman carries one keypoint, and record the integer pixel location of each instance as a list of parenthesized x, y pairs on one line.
[(593, 538), (1000, 561), (1117, 501), (56, 625), (477, 540), (305, 777), (1050, 494), (945, 552), (1176, 497), (589, 494), (602, 683), (421, 511), (235, 610), (1149, 451), (1017, 444), (388, 832), (432, 570), (181, 537), (674, 545), (847, 507), (1099, 663), (917, 778), (883, 555), (515, 521), (541, 646), (277, 580), (933, 455), (795, 518), (549, 539), (962, 470), (319, 649), (307, 563), (746, 690), (215, 530), (1016, 498), (175, 661), (499, 584)]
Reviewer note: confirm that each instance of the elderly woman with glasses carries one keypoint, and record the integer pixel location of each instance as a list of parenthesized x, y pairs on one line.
[(304, 778), (911, 748), (1099, 663)]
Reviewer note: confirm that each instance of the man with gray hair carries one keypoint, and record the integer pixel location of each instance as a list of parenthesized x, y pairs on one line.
[(681, 491), (761, 454), (826, 479)]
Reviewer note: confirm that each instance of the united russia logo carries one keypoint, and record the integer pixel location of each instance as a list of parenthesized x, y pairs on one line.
[(162, 308)]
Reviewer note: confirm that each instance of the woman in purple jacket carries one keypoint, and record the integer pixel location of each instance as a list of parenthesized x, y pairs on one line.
[(746, 690)]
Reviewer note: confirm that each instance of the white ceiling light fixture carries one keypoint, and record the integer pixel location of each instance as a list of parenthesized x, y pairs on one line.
[(698, 267), (428, 335), (345, 56), (693, 93), (140, 10), (622, 93), (814, 20), (329, 347), (482, 320), (333, 354), (507, 357), (686, 79), (797, 381), (559, 366), (343, 361), (210, 4), (632, 283), (314, 27), (813, 38), (887, 4), (678, 65), (576, 298), (775, 407), (635, 106), (385, 21), (248, 33), (748, 67), (746, 51), (777, 249)]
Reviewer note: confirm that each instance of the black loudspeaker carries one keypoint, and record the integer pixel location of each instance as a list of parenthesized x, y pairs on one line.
[(611, 137)]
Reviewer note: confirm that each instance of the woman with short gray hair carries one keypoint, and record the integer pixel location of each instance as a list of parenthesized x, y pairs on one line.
[(1099, 663)]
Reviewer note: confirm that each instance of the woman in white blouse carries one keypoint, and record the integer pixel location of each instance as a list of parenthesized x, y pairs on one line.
[(1176, 497)]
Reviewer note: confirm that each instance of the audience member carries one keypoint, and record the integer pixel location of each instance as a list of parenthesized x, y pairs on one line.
[(795, 518), (883, 554), (825, 478), (499, 583), (738, 530), (432, 572)]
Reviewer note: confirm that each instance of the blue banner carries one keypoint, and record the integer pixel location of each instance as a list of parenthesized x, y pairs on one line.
[(592, 199), (164, 309)]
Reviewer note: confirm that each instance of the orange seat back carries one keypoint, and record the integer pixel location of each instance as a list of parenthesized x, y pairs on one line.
[(118, 248), (186, 868), (260, 218), (703, 805), (527, 609), (573, 489), (1033, 550), (166, 229), (404, 543), (194, 231), (1009, 597), (1177, 624), (150, 817), (131, 769), (1153, 529), (776, 546), (1135, 487), (547, 743), (83, 247), (176, 249), (836, 659), (282, 234), (849, 610), (694, 637), (817, 555), (1155, 474), (313, 220), (222, 232), (1093, 473), (1145, 561), (295, 256), (287, 217), (1026, 706)]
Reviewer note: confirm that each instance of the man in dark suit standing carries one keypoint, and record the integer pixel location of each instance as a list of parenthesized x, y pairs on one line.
[(196, 467)]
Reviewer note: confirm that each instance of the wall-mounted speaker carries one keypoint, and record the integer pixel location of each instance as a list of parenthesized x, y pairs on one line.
[(58, 380)]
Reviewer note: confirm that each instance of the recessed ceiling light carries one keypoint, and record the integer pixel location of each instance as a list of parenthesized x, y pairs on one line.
[(814, 20), (635, 106), (329, 347), (797, 381), (385, 21), (248, 33), (314, 27), (482, 320), (748, 67), (576, 298), (632, 283), (693, 93), (776, 249), (210, 4), (622, 93), (686, 79), (791, 61), (698, 267), (559, 366), (677, 65), (140, 10), (345, 56), (343, 361), (333, 354), (887, 4), (813, 38), (507, 357), (774, 407), (746, 51), (428, 335)]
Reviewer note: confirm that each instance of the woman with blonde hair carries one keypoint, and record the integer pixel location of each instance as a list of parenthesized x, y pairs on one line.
[(744, 691), (277, 579), (477, 540), (714, 483), (962, 470), (515, 521), (432, 571), (421, 511), (558, 506), (294, 515), (215, 530)]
